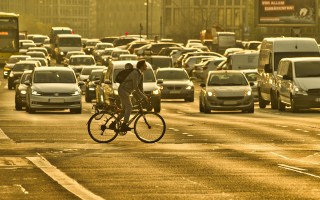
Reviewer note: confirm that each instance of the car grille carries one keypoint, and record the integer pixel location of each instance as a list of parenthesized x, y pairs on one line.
[(174, 87), (314, 92), (230, 98), (57, 94)]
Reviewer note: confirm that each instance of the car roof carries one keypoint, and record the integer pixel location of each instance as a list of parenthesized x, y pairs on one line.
[(226, 71), (53, 68), (119, 64), (302, 59), (170, 69), (27, 61), (82, 56)]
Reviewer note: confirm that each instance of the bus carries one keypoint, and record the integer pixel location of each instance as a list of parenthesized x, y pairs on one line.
[(9, 36)]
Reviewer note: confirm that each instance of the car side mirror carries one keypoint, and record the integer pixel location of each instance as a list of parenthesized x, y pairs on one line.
[(16, 81), (80, 83), (159, 81), (287, 77), (202, 84), (97, 82), (267, 68), (107, 81), (192, 78), (27, 82), (251, 83)]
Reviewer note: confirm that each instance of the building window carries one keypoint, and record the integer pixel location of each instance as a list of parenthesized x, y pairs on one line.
[(168, 2), (204, 2), (221, 2), (229, 17), (229, 2), (213, 2), (196, 2)]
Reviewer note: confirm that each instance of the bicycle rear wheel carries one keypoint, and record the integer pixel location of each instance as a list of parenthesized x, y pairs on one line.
[(98, 127), (149, 127)]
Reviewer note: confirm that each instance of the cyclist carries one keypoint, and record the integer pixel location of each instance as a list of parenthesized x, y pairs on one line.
[(132, 83)]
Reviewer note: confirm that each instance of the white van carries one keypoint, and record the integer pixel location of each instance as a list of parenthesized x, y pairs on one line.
[(271, 52), (241, 60), (65, 43), (298, 83)]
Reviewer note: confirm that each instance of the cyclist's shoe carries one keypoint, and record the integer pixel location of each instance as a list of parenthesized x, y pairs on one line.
[(125, 128), (112, 126)]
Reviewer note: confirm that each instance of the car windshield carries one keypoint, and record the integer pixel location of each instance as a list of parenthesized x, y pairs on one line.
[(307, 69), (148, 75), (227, 79), (54, 77), (251, 76), (172, 75), (95, 76), (87, 70), (16, 59), (81, 61), (25, 77), (279, 55), (22, 67)]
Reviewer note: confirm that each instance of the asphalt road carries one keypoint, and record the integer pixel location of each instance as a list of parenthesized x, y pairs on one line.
[(222, 155)]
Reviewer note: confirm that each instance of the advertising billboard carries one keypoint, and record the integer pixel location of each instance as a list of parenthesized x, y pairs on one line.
[(287, 13)]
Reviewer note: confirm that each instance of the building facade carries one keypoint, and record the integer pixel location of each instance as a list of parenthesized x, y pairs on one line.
[(176, 19)]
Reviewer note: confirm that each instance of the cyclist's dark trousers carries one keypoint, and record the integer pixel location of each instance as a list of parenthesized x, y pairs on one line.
[(126, 105)]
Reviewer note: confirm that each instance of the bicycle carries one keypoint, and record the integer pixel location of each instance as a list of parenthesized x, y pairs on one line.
[(149, 127)]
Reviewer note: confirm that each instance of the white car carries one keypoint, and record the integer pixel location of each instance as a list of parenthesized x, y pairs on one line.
[(226, 90), (53, 88)]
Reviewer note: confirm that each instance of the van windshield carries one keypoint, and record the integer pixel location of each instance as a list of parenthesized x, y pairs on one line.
[(70, 42), (148, 76), (307, 69), (279, 55)]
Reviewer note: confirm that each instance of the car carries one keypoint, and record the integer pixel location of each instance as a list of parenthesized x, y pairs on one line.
[(24, 47), (298, 81), (85, 73), (99, 50), (21, 90), (36, 54), (226, 90), (39, 39), (43, 61), (41, 49), (12, 61), (107, 89), (176, 84), (69, 54), (90, 84), (18, 69), (136, 44), (252, 76), (77, 62), (90, 45), (117, 52), (52, 88), (154, 48), (128, 57), (157, 61), (189, 63), (181, 59), (209, 65)]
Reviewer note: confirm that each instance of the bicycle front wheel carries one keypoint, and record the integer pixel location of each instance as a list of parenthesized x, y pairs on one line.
[(149, 127), (98, 127)]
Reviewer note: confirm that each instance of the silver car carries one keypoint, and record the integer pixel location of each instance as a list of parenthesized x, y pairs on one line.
[(53, 88), (226, 90)]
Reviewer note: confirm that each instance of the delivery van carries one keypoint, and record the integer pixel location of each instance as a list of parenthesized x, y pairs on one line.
[(65, 43), (271, 52), (298, 83)]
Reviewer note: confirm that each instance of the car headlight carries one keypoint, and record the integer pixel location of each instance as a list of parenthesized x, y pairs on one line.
[(92, 88), (156, 92), (247, 93), (299, 90), (36, 93), (76, 93), (61, 53), (211, 93), (23, 92), (189, 87), (11, 74), (115, 92)]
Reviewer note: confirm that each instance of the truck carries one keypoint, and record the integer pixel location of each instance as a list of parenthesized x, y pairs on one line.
[(220, 40)]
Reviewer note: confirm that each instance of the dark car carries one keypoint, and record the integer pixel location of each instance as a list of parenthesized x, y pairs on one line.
[(176, 84), (21, 90), (157, 61), (11, 62), (90, 84), (18, 70)]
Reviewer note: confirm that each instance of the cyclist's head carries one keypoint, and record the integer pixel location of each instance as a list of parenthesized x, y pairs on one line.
[(142, 65), (128, 66)]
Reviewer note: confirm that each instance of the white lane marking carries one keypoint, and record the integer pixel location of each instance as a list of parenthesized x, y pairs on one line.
[(296, 170), (291, 167), (22, 188), (65, 181), (315, 163), (3, 136)]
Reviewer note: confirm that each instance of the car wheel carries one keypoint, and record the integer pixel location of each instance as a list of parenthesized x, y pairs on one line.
[(294, 107), (262, 103), (274, 99), (76, 110), (88, 100), (191, 99), (201, 108), (281, 106), (206, 110), (18, 106), (251, 109)]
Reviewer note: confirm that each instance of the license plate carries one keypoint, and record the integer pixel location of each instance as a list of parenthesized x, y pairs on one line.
[(229, 102), (56, 100), (174, 91), (317, 100)]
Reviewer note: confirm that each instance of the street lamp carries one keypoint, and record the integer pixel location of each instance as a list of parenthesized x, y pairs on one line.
[(147, 14)]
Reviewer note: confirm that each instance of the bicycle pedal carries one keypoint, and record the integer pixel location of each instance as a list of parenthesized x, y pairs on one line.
[(122, 133)]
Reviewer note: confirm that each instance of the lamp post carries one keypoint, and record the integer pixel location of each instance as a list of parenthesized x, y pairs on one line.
[(147, 17)]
